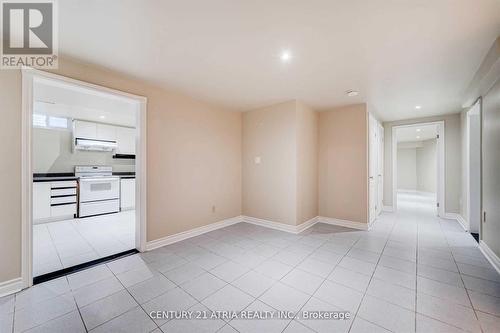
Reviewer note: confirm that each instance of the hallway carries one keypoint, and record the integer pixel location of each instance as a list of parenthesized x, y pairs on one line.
[(411, 272)]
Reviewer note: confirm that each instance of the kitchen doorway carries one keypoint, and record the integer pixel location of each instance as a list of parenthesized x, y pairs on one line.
[(83, 175)]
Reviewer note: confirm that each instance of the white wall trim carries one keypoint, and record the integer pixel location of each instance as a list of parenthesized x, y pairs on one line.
[(151, 245), (490, 255), (387, 209), (29, 75), (458, 218), (294, 229), (11, 286), (344, 223), (441, 158)]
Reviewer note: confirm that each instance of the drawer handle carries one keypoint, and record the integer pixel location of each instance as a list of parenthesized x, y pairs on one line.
[(63, 196), (62, 188), (63, 204)]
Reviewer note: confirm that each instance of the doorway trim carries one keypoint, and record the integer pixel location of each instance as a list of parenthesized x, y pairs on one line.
[(29, 76), (468, 113), (441, 185)]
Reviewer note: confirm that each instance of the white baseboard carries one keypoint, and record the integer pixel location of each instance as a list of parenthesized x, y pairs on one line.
[(151, 245), (11, 286), (458, 218), (294, 229), (387, 209), (490, 255), (343, 223)]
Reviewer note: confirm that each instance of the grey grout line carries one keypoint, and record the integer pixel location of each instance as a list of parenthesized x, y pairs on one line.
[(371, 277), (290, 242), (461, 278)]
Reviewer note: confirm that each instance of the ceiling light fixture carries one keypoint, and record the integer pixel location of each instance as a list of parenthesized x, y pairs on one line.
[(418, 129), (418, 137), (102, 117), (286, 56), (352, 93), (418, 107)]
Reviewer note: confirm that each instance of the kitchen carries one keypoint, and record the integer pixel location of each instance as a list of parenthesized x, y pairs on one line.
[(83, 147)]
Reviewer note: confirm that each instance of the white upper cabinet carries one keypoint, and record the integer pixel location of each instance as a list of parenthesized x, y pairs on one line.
[(106, 132), (84, 129), (125, 138)]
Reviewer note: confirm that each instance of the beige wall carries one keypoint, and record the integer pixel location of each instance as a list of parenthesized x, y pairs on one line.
[(194, 159), (452, 159), (10, 175), (407, 169), (284, 186), (269, 188), (53, 152), (307, 163), (427, 166), (343, 163)]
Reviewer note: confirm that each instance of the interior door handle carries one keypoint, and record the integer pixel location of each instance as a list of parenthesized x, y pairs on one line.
[(371, 177)]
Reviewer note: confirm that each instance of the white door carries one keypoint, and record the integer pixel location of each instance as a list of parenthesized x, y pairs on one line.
[(372, 169), (380, 168)]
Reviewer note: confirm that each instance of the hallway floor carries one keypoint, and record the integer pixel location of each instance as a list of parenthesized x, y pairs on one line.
[(411, 272)]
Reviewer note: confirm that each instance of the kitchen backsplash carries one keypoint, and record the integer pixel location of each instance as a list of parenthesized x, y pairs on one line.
[(52, 152)]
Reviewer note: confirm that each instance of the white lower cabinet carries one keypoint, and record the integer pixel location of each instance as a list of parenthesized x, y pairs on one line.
[(127, 193), (54, 201), (41, 200)]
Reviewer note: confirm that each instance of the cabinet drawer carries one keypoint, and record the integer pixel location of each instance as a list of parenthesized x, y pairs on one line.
[(63, 191), (67, 183), (63, 210), (60, 200)]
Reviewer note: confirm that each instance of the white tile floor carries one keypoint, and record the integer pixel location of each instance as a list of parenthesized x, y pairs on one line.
[(62, 244), (412, 273)]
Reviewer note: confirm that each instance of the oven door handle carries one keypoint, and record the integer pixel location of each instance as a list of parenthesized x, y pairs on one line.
[(99, 180)]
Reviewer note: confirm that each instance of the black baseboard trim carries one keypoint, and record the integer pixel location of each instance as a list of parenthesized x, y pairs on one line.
[(81, 267)]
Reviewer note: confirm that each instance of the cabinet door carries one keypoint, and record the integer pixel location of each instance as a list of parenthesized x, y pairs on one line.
[(84, 129), (41, 200), (127, 196), (106, 132), (125, 138)]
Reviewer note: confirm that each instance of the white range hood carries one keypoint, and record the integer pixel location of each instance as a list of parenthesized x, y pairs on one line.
[(94, 144)]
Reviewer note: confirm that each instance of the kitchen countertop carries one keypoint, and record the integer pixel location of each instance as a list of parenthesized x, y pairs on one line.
[(53, 177)]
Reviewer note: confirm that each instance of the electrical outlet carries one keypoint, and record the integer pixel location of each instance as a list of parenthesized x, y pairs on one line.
[(257, 160)]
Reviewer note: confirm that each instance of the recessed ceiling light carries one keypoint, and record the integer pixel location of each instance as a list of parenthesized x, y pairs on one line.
[(102, 117), (418, 137), (418, 107), (352, 93), (418, 129), (286, 56)]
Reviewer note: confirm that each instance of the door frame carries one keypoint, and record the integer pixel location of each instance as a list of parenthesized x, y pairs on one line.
[(29, 76), (441, 167), (467, 164)]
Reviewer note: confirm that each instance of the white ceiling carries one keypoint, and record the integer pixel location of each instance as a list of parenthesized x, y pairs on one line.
[(416, 133), (398, 54), (56, 99)]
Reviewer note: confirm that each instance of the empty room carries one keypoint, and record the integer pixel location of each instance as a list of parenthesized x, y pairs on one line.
[(250, 166)]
